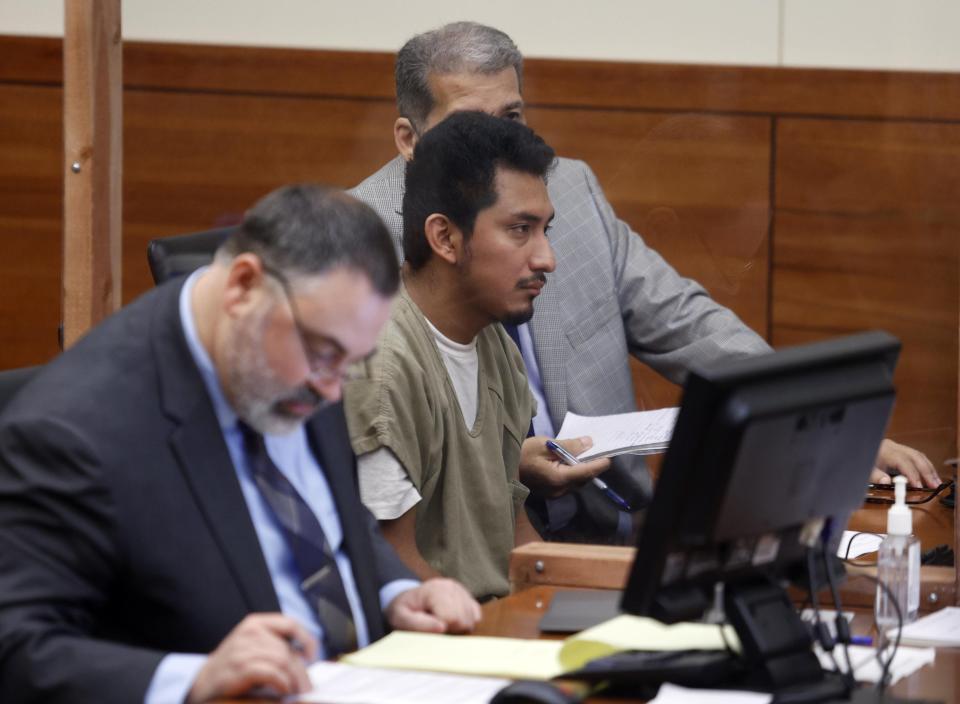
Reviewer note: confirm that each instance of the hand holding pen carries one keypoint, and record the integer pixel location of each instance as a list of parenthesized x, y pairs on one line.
[(571, 460), (546, 474)]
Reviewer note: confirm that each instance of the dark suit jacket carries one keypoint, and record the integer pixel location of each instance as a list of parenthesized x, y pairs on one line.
[(124, 534)]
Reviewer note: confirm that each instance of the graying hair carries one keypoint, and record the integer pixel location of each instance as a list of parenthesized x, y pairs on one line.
[(306, 229), (454, 48)]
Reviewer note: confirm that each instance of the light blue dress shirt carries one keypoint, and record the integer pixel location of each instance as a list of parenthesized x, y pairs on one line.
[(292, 455)]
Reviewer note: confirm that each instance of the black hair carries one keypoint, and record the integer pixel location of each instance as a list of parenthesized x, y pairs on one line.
[(453, 171)]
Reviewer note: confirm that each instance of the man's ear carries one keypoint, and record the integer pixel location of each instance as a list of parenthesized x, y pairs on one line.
[(244, 281), (405, 137), (444, 238)]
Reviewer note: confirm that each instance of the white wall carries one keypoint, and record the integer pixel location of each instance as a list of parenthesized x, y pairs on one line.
[(896, 34)]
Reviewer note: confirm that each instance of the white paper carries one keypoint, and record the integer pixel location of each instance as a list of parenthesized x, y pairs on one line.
[(866, 668), (675, 694), (941, 628), (614, 434), (861, 544), (335, 683)]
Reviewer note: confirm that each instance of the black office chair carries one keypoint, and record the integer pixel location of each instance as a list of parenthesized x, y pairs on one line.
[(10, 382), (181, 254)]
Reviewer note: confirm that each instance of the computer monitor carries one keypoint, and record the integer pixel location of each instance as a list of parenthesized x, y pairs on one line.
[(764, 448)]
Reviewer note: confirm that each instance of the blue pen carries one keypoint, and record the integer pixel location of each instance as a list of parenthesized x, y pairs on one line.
[(597, 482), (861, 640)]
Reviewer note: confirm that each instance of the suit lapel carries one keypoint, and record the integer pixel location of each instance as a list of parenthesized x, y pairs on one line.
[(208, 469), (203, 458), (329, 440)]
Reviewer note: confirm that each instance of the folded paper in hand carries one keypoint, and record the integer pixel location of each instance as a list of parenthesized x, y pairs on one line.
[(640, 433)]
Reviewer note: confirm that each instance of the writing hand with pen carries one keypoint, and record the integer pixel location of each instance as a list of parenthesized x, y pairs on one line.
[(546, 473)]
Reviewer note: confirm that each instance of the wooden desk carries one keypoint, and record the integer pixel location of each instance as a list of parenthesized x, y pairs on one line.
[(518, 616), (606, 567), (932, 522)]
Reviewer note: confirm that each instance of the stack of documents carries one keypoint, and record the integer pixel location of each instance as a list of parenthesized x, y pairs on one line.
[(641, 433), (674, 694), (866, 667), (518, 658), (941, 629), (334, 683)]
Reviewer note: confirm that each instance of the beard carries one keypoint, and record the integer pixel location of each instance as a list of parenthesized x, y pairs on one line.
[(520, 317), (260, 397)]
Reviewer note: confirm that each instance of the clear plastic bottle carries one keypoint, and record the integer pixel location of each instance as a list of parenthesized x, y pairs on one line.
[(898, 564)]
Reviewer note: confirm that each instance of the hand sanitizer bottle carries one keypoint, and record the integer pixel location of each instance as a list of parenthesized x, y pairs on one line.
[(898, 565)]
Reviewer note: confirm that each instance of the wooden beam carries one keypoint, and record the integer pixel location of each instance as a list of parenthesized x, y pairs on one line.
[(93, 144)]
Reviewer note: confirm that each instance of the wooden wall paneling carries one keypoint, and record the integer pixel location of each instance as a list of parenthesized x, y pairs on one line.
[(867, 234), (92, 164), (556, 82), (743, 89), (196, 161), (31, 216), (695, 186)]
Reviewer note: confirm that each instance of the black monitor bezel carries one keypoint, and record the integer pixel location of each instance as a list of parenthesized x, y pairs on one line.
[(686, 484)]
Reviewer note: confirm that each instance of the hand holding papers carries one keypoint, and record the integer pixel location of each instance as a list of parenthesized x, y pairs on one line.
[(640, 433)]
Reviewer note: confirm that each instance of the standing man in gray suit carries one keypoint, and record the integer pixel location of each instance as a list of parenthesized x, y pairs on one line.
[(612, 296)]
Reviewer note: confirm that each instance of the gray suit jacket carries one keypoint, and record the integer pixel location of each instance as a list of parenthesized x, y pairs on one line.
[(610, 296)]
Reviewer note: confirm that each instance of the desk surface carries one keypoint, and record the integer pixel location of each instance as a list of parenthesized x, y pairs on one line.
[(932, 522), (518, 615)]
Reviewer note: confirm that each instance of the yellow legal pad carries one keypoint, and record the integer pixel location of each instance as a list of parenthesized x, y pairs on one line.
[(518, 658)]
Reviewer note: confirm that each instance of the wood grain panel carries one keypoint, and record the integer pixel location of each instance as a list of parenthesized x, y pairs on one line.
[(198, 161), (867, 234), (548, 82), (696, 187), (92, 165), (31, 210), (786, 91), (882, 169)]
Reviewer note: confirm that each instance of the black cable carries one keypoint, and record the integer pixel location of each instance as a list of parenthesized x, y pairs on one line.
[(843, 628), (884, 675), (846, 554), (853, 560), (726, 644), (820, 630)]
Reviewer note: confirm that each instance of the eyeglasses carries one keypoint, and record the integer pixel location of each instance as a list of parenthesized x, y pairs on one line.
[(914, 496), (324, 361)]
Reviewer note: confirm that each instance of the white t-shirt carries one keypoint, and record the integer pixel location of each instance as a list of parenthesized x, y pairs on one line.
[(385, 487)]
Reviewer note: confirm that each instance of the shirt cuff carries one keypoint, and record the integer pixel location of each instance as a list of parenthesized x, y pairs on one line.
[(173, 678), (391, 590)]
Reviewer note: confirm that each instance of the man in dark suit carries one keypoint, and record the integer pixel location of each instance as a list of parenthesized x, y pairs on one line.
[(178, 508)]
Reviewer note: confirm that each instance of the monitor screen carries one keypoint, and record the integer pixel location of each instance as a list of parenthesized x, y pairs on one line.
[(763, 447)]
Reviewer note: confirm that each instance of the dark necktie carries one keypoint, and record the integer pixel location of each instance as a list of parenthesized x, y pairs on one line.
[(514, 333), (321, 582)]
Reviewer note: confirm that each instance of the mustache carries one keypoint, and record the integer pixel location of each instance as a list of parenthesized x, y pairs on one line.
[(539, 277)]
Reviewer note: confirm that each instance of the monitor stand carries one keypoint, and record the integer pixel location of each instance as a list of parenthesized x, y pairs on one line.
[(775, 643), (778, 650)]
